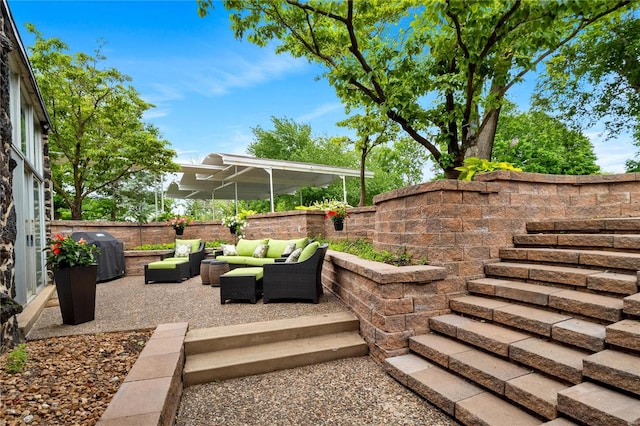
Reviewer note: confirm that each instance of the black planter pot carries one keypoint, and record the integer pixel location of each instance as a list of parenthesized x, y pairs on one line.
[(179, 231), (76, 288), (233, 229), (338, 225)]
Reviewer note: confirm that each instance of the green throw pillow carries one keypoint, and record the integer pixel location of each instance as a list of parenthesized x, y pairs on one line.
[(247, 247), (308, 251)]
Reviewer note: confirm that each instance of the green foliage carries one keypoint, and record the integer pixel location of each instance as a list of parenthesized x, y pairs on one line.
[(65, 252), (441, 72), (539, 143), (474, 165), (16, 359), (98, 137), (364, 249), (596, 80)]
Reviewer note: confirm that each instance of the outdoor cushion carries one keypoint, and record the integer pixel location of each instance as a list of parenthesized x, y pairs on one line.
[(183, 250), (229, 250), (235, 260), (308, 251), (256, 272), (175, 259), (195, 244), (247, 247), (261, 251), (258, 261), (288, 249), (293, 257), (300, 242), (276, 247), (164, 265)]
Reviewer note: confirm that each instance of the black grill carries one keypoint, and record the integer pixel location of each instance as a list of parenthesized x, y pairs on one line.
[(111, 256)]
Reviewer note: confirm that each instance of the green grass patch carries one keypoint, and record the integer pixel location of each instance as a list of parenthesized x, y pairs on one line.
[(364, 249)]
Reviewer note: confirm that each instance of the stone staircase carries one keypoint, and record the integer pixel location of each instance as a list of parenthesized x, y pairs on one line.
[(221, 353), (550, 336)]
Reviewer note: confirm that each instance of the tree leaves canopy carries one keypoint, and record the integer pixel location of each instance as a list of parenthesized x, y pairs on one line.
[(97, 136), (439, 69)]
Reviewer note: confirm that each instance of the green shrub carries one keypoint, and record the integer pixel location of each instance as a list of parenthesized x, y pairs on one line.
[(17, 359), (475, 165), (364, 249)]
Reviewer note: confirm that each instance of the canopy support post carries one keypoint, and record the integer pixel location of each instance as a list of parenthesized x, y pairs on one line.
[(270, 171), (344, 188)]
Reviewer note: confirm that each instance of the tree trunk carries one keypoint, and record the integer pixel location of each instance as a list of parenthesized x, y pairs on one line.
[(363, 189), (76, 209), (483, 147)]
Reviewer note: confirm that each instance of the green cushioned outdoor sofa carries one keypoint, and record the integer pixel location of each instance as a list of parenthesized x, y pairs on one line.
[(247, 253)]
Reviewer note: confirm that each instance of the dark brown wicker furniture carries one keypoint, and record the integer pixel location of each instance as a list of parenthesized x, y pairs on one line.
[(241, 284), (295, 281), (194, 259), (170, 272)]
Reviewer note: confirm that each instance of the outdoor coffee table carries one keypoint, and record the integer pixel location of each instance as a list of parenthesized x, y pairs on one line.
[(241, 284)]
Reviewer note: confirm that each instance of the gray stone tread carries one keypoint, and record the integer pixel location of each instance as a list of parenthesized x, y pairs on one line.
[(595, 405), (588, 304), (536, 392), (488, 409), (258, 359), (437, 348), (625, 333), (528, 318), (618, 369), (580, 333), (551, 358), (481, 307), (484, 369)]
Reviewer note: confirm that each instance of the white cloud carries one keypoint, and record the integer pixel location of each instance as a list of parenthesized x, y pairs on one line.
[(612, 154), (320, 111)]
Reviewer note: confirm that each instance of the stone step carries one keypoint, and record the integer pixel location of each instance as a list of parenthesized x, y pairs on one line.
[(568, 301), (631, 305), (513, 290), (592, 404), (543, 273), (604, 225), (241, 335), (624, 334), (616, 369), (490, 337), (563, 328), (611, 260), (550, 358), (264, 358), (580, 333), (536, 392), (530, 390), (587, 304), (600, 241), (467, 403)]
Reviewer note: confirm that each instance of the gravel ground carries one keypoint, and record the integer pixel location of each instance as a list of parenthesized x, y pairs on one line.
[(346, 392)]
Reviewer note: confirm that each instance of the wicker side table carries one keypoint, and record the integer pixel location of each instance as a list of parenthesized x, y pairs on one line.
[(204, 271), (217, 268)]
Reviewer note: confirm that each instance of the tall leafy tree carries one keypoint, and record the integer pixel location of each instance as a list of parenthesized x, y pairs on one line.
[(440, 70), (372, 131), (539, 143), (98, 137), (597, 78)]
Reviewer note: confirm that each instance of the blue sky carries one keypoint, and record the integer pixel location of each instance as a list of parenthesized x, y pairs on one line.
[(210, 89)]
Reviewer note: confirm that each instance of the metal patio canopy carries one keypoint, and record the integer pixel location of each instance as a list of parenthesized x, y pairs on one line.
[(240, 177)]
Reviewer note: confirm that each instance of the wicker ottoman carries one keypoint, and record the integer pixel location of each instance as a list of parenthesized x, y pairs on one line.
[(217, 268), (166, 271), (204, 271), (241, 284)]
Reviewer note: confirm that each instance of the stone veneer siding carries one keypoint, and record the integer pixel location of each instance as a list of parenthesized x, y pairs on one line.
[(7, 209)]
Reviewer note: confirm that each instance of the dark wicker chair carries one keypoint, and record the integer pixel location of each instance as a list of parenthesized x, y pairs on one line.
[(194, 260), (294, 281)]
